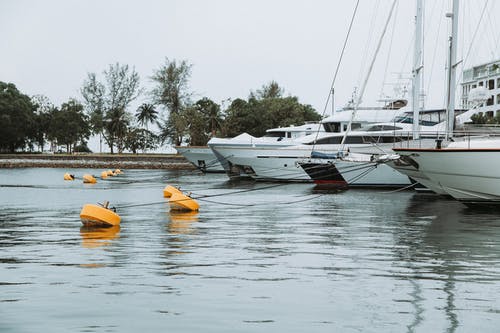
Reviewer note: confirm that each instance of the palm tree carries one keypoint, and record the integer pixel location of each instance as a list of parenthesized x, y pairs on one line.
[(146, 114), (116, 125)]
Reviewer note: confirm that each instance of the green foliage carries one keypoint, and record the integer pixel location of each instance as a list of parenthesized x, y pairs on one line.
[(211, 114), (16, 118), (171, 91), (82, 148), (146, 113), (267, 108), (69, 125), (140, 139), (107, 102), (196, 126), (42, 119)]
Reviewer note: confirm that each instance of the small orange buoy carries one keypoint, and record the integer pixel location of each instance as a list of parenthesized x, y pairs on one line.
[(118, 172), (104, 175), (68, 176), (169, 190), (89, 179), (99, 215), (181, 202)]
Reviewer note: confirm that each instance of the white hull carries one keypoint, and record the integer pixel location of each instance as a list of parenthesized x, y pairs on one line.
[(359, 172), (418, 176), (470, 175), (369, 175), (284, 165), (201, 157)]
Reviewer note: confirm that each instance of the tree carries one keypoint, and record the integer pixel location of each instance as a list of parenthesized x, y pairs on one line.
[(196, 126), (140, 139), (266, 108), (116, 125), (16, 118), (69, 125), (107, 102), (146, 113), (42, 119), (212, 115), (172, 93)]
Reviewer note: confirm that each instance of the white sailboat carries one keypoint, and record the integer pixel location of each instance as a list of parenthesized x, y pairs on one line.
[(468, 169)]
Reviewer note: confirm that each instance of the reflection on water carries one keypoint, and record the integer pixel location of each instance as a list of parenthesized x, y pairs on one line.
[(93, 237), (285, 258), (181, 222)]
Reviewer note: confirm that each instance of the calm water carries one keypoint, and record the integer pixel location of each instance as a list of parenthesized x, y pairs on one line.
[(280, 259)]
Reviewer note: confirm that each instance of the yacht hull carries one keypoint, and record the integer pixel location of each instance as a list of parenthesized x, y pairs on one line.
[(202, 158), (468, 175)]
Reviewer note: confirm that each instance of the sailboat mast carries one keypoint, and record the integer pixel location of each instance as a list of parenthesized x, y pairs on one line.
[(452, 68), (417, 69)]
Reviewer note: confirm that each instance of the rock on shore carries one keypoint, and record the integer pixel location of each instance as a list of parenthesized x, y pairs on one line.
[(108, 161)]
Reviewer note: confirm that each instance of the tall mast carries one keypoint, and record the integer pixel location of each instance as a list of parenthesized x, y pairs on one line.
[(417, 69), (452, 68)]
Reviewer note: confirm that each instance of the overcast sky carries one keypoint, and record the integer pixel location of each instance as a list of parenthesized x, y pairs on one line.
[(48, 47)]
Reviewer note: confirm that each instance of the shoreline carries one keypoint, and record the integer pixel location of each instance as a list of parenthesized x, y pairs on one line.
[(95, 161)]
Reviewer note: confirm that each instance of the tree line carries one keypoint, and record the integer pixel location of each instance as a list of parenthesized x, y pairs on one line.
[(170, 114)]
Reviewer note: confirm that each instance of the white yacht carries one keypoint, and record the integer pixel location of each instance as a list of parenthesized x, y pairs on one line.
[(234, 154), (204, 159), (283, 163)]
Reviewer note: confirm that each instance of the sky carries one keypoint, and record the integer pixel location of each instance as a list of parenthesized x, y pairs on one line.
[(235, 46)]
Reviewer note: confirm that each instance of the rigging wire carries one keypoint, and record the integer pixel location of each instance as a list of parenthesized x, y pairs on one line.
[(472, 41), (431, 72), (389, 53), (338, 64), (371, 31)]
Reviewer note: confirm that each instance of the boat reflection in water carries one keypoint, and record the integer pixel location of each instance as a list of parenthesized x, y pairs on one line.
[(441, 241), (93, 237)]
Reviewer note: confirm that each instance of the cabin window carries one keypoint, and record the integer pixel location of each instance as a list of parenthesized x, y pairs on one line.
[(489, 101), (480, 84), (355, 126), (332, 127), (491, 84), (498, 98)]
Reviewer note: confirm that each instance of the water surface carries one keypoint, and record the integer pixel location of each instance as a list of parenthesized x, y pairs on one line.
[(256, 258)]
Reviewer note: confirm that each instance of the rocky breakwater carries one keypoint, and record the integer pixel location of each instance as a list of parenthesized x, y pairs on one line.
[(108, 161)]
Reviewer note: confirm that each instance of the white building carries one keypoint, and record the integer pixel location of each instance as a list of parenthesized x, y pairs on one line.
[(487, 76)]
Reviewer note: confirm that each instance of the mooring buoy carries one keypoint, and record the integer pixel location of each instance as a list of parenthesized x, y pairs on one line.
[(182, 202), (99, 215), (169, 190), (68, 176), (89, 179)]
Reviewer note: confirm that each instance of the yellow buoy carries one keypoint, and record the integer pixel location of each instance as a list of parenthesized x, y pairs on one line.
[(104, 175), (169, 190), (110, 173), (118, 172), (99, 215), (181, 202), (67, 176), (89, 179)]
